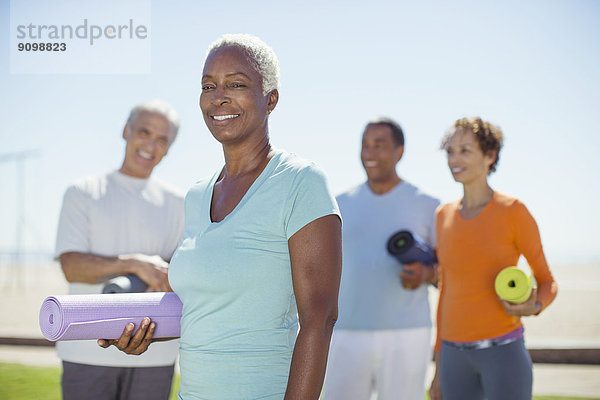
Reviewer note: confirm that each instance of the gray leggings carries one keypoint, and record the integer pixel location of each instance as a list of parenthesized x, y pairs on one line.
[(495, 373), (91, 382)]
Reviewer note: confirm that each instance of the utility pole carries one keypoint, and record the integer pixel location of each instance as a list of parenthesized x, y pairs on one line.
[(19, 158)]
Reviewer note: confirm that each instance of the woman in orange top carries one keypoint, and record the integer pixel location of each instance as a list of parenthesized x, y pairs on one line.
[(480, 352)]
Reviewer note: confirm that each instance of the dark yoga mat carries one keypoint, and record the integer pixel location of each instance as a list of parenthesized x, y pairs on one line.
[(104, 316), (407, 248), (125, 284)]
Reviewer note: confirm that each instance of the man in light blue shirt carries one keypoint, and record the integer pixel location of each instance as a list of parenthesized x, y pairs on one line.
[(382, 340)]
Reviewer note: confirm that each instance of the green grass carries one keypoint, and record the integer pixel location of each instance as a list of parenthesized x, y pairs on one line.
[(24, 382), (555, 398)]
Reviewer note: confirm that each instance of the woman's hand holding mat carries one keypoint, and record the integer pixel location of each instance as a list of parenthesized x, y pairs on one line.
[(135, 345), (514, 287), (530, 307)]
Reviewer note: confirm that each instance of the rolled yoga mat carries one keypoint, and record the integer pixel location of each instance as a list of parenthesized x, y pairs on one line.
[(125, 284), (513, 284), (104, 316), (407, 248)]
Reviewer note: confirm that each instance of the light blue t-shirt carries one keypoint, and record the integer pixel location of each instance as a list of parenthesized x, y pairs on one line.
[(239, 322), (371, 294)]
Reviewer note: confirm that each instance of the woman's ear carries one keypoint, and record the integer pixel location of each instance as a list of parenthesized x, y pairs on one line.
[(490, 157), (273, 98)]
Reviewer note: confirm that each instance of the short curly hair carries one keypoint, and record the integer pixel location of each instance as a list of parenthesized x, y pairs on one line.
[(489, 136), (261, 56)]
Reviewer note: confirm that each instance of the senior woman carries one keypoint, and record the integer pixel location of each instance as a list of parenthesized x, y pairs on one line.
[(480, 352), (259, 264)]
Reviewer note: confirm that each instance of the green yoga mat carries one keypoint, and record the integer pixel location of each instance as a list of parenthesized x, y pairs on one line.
[(513, 284)]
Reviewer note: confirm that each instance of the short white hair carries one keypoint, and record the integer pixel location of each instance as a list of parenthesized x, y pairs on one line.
[(157, 107), (261, 56)]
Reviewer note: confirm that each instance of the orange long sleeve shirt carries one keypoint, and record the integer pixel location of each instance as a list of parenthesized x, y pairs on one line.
[(471, 253)]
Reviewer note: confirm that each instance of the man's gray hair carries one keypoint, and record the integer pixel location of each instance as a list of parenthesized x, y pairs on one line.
[(157, 107), (261, 56)]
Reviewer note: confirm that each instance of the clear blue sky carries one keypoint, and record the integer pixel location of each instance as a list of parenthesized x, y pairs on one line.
[(530, 66)]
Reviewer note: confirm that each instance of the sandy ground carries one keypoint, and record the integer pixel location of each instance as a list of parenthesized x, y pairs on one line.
[(572, 321)]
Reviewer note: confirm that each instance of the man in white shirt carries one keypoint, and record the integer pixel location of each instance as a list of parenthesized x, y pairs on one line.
[(118, 223)]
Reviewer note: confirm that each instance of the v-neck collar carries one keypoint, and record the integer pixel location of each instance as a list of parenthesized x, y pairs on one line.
[(266, 172), (483, 211)]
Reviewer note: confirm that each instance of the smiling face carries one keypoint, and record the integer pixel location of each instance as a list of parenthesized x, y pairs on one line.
[(148, 139), (467, 162), (232, 102), (380, 154)]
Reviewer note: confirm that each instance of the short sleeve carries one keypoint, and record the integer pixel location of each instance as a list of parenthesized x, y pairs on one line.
[(73, 224), (310, 198)]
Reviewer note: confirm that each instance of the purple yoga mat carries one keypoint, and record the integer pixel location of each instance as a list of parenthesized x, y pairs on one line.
[(104, 316)]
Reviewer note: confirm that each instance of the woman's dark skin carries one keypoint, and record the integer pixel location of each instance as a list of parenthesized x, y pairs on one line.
[(232, 92)]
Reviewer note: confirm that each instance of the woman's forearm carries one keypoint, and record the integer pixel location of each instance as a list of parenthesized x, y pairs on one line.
[(309, 360)]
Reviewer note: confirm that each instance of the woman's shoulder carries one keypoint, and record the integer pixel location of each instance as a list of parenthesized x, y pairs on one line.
[(510, 207), (199, 187), (507, 201), (504, 199), (293, 166), (445, 208), (286, 159)]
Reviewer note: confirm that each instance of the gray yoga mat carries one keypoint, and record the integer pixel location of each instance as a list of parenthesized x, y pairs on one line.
[(104, 316)]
